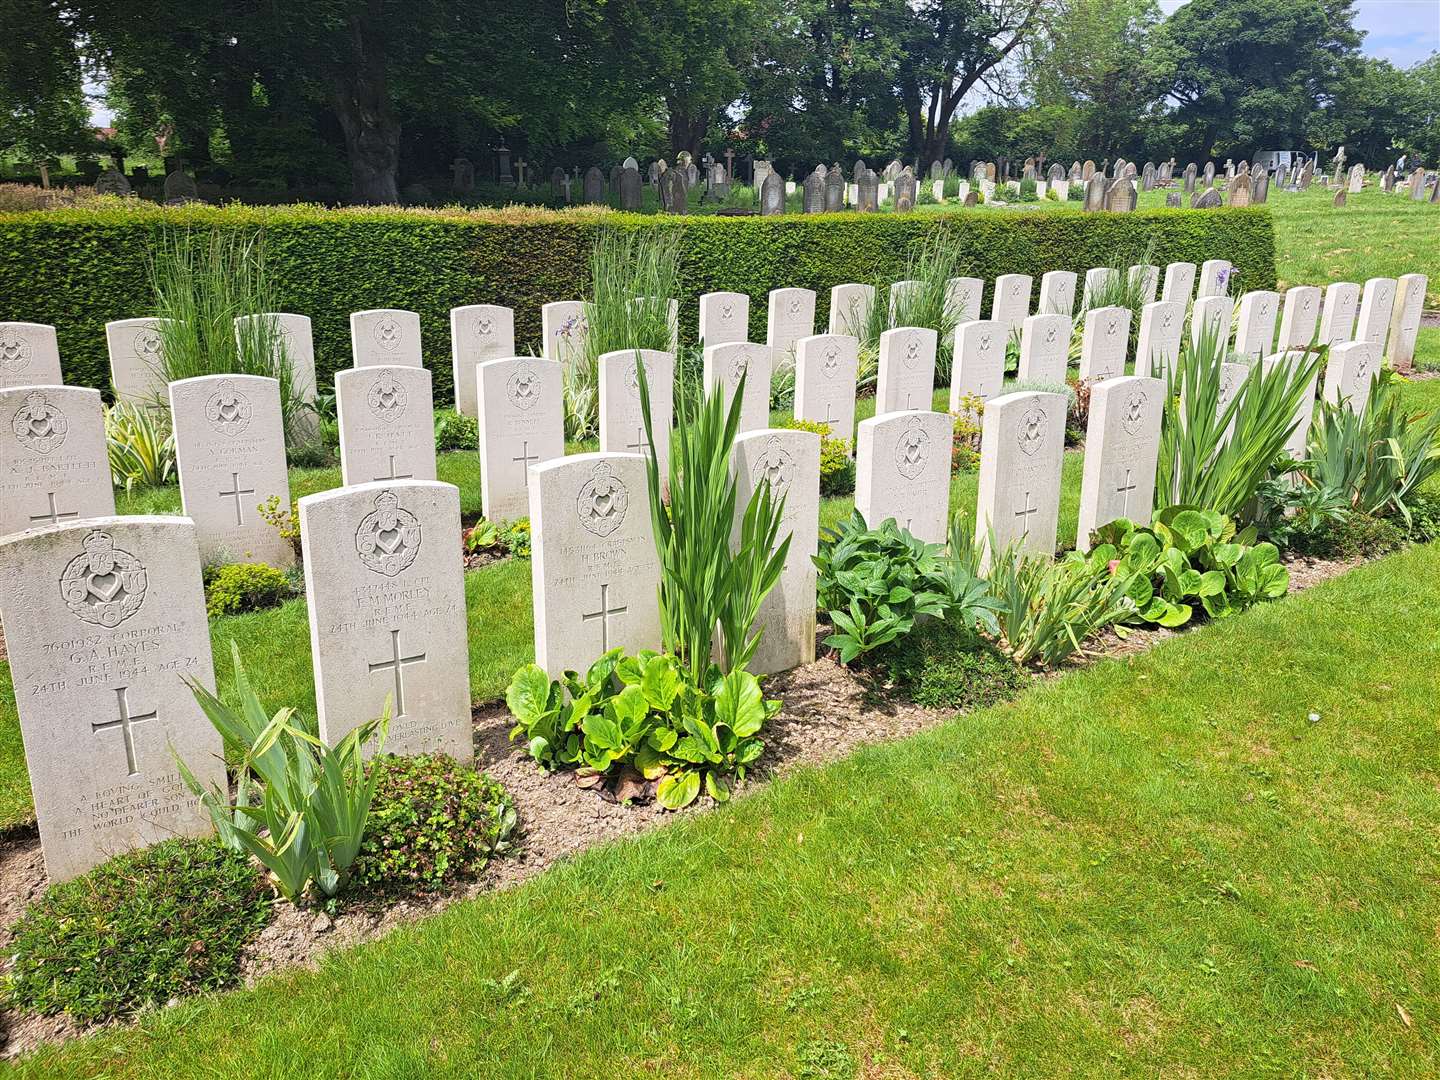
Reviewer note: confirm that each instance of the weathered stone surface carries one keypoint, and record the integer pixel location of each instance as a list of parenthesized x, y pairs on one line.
[(772, 194), (385, 337), (724, 365), (54, 466), (1162, 325), (522, 423), (825, 375), (1122, 442), (1045, 348), (29, 355), (1022, 444), (724, 317), (387, 424), (478, 332), (622, 420), (902, 471), (136, 370), (1104, 343)]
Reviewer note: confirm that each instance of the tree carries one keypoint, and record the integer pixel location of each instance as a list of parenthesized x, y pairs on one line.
[(42, 101)]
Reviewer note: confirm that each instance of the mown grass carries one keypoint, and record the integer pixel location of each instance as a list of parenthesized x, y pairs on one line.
[(1212, 859)]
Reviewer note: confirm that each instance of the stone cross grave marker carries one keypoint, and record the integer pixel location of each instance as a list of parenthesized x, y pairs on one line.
[(902, 471), (136, 370), (385, 587), (230, 447), (1214, 278), (1349, 372), (1010, 303), (595, 573), (1405, 322), (622, 421), (387, 425), (54, 466), (522, 423), (385, 337), (978, 367), (1255, 336), (724, 317), (29, 355), (1299, 316), (1022, 444), (1057, 293), (790, 315), (563, 327), (292, 342), (825, 373), (1104, 343), (905, 378), (1122, 442), (850, 308), (478, 332), (1377, 302), (1162, 325), (104, 619), (1045, 348), (723, 367), (1337, 315)]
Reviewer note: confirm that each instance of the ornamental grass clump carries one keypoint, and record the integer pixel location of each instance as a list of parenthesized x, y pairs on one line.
[(924, 302)]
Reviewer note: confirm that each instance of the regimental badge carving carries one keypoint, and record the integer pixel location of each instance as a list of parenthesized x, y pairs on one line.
[(911, 356), (1031, 435), (775, 464), (727, 312), (484, 325), (830, 361), (1112, 326), (104, 585), (1167, 319), (39, 424), (631, 376), (387, 399), (228, 410), (16, 349), (147, 343), (1362, 367), (1307, 302), (739, 363), (388, 538), (985, 340), (795, 306), (1051, 334), (523, 387), (602, 501), (912, 449), (388, 333), (1133, 418)]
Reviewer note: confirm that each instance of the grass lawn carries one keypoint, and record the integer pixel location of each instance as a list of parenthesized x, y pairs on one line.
[(1136, 869)]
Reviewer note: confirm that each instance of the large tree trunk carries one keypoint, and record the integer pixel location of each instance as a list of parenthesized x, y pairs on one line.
[(686, 132), (362, 105)]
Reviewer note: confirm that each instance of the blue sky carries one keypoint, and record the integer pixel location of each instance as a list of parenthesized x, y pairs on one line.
[(1401, 31)]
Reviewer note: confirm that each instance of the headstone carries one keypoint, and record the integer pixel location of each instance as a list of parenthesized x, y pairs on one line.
[(1232, 381), (724, 317), (385, 337), (103, 619), (1057, 293), (1387, 180), (563, 328), (1010, 303), (1255, 334), (1214, 278), (789, 461), (902, 471), (834, 190), (673, 189), (136, 370), (1417, 184), (1147, 177), (1179, 282), (29, 355), (478, 332), (1377, 303), (724, 365), (622, 420), (1295, 445), (1149, 277), (905, 193), (790, 315), (1104, 343), (1022, 446), (1173, 200), (814, 201), (1056, 173), (1259, 187), (850, 308), (1045, 348), (1087, 170), (292, 342), (559, 182), (180, 189), (1189, 179), (1121, 196), (869, 197), (825, 374), (1337, 316), (1405, 320), (649, 307), (462, 176), (1098, 281), (230, 447), (1077, 174), (1162, 325), (1122, 443), (962, 298), (387, 425), (971, 199), (978, 369), (905, 378), (1209, 174), (1299, 316), (594, 188), (937, 190), (1349, 374), (54, 466), (630, 188), (1238, 191), (595, 573), (630, 163), (1095, 193), (1435, 190), (772, 195), (1211, 315), (522, 423), (112, 182), (1357, 178), (1209, 199), (900, 291), (1339, 199)]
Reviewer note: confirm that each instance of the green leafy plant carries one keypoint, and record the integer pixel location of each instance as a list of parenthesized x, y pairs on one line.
[(965, 441), (515, 536), (837, 467), (1048, 608), (455, 431), (235, 588), (140, 445), (432, 821), (149, 925), (507, 538), (285, 520), (930, 264), (314, 799), (942, 666)]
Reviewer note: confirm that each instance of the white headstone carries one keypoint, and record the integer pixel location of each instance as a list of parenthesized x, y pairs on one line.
[(595, 572), (1337, 317), (387, 424), (29, 355), (1022, 446), (790, 461), (978, 369), (54, 466), (723, 367), (478, 332), (1162, 325), (1214, 278), (905, 378), (1299, 316), (385, 337), (963, 297), (899, 291), (622, 421), (1179, 282), (1104, 343), (902, 471), (825, 374), (295, 339), (103, 620), (1377, 303), (385, 588), (136, 371), (1296, 444), (724, 317), (1057, 293), (563, 327), (1349, 372), (1122, 441), (1255, 334), (1232, 381), (1405, 322), (1010, 303), (1212, 314), (522, 423), (790, 316), (1045, 348), (1149, 276), (850, 308), (1097, 280)]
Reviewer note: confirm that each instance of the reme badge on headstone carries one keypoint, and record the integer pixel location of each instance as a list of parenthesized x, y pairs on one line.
[(39, 425), (388, 539), (1133, 419), (1031, 436), (912, 450), (228, 410), (523, 389), (104, 585), (777, 465), (602, 502), (387, 333), (387, 398), (15, 349)]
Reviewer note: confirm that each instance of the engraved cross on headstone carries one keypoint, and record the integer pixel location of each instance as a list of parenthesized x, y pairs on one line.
[(640, 445), (235, 494), (1024, 515), (54, 516), (397, 663), (525, 457), (604, 616), (127, 718), (393, 474), (1125, 489)]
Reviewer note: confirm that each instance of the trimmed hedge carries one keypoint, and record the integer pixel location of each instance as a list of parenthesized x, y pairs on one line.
[(78, 269)]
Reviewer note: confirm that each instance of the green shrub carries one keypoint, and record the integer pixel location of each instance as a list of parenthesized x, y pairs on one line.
[(942, 666), (140, 445), (515, 537), (1048, 608), (328, 263), (837, 467), (455, 431), (236, 588), (1351, 535), (432, 821), (146, 926)]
